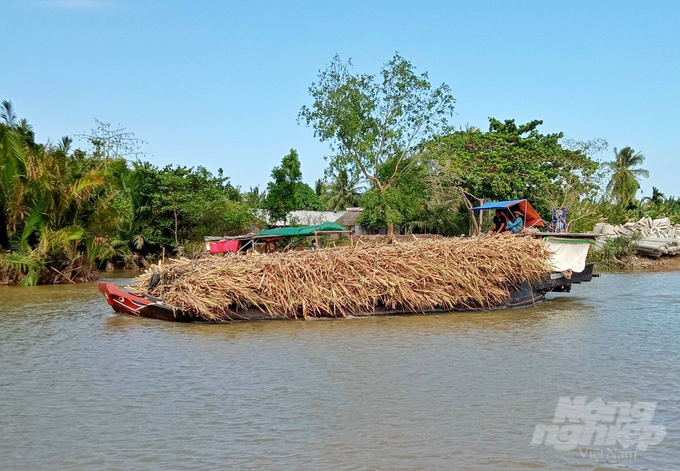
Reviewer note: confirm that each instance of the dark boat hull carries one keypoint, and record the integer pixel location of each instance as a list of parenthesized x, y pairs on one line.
[(525, 295)]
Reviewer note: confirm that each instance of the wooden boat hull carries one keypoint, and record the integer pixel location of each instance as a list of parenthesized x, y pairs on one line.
[(151, 307)]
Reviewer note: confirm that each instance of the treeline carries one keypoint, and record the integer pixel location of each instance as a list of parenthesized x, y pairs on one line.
[(66, 212)]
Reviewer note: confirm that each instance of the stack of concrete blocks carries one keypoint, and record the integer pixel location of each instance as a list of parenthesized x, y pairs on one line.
[(658, 236)]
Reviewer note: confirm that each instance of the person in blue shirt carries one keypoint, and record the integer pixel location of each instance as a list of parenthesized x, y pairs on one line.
[(516, 225)]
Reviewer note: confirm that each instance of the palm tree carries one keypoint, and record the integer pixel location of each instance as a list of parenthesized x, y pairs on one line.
[(7, 114), (625, 180), (64, 145), (343, 191), (320, 188), (657, 197)]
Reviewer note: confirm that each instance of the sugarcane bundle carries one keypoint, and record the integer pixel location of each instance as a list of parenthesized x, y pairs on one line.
[(447, 273)]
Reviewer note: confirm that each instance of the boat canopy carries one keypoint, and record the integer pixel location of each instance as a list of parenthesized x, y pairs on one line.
[(302, 230), (531, 217)]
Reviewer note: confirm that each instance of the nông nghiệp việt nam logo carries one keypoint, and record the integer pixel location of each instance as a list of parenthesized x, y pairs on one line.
[(598, 424)]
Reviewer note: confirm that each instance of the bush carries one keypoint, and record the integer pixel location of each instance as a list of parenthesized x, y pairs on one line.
[(616, 253)]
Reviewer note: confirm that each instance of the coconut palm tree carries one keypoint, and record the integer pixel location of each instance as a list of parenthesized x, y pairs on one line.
[(657, 198), (7, 114), (625, 180), (343, 191), (320, 188)]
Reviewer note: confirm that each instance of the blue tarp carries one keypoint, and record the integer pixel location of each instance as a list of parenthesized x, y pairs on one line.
[(497, 205)]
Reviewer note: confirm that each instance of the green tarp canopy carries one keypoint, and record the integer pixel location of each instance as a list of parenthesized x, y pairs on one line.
[(301, 230)]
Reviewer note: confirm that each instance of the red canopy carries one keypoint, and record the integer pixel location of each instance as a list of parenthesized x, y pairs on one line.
[(531, 217), (225, 246)]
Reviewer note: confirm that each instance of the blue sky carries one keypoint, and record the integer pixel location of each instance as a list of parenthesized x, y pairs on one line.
[(220, 83)]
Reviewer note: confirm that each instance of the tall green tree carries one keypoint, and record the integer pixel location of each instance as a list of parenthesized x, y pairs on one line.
[(377, 122), (320, 188), (286, 192), (625, 179), (511, 161)]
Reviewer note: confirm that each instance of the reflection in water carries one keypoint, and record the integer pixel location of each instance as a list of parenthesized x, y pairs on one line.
[(84, 388)]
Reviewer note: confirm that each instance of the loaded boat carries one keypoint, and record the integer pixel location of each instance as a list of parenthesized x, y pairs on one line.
[(149, 306), (567, 266)]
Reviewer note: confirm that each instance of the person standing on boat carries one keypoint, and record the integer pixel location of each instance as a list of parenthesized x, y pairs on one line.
[(499, 223), (517, 224)]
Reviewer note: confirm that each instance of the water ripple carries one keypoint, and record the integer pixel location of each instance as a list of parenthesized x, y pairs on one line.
[(83, 388)]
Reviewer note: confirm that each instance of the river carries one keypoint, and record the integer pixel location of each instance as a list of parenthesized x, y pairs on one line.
[(84, 388)]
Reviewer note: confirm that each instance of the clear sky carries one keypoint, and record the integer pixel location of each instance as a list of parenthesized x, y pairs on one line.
[(220, 83)]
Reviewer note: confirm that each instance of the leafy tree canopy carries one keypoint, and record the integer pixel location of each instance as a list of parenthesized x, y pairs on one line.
[(402, 203), (371, 120), (286, 192), (513, 161)]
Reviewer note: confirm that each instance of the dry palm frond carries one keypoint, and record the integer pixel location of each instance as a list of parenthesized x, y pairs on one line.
[(416, 276)]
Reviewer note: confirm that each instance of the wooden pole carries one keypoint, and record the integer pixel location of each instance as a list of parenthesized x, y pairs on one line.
[(481, 217)]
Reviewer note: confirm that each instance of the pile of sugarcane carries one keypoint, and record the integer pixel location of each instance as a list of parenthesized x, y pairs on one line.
[(417, 276)]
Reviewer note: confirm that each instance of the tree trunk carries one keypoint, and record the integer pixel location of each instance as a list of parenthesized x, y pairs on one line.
[(475, 228), (4, 236), (390, 233), (176, 224)]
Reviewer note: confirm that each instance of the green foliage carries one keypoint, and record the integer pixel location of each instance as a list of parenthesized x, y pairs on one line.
[(614, 213), (286, 192), (64, 212), (656, 206), (306, 198), (49, 201), (402, 203), (25, 267), (343, 191), (625, 180), (168, 206), (371, 120), (320, 188), (280, 199), (616, 253), (254, 198), (513, 162)]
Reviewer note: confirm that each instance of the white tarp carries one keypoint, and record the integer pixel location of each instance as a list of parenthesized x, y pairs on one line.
[(568, 254)]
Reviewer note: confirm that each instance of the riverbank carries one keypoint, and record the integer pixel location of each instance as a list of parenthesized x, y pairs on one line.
[(638, 263)]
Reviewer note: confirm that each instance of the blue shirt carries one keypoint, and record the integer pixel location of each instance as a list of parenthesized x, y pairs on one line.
[(516, 225)]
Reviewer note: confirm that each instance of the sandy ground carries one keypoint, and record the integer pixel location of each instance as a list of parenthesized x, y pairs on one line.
[(653, 264)]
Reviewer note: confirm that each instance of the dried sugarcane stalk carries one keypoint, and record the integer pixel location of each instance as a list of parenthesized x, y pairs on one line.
[(417, 275)]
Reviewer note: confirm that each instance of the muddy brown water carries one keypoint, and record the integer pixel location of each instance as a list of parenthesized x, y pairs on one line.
[(84, 388)]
